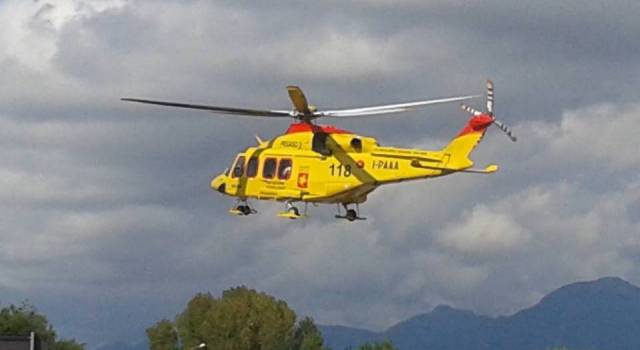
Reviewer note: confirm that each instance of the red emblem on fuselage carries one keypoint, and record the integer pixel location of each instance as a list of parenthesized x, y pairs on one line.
[(303, 180)]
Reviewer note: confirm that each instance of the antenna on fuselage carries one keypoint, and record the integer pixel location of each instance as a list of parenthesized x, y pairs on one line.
[(259, 140)]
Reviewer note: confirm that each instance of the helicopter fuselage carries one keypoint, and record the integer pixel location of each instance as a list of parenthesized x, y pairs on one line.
[(323, 164)]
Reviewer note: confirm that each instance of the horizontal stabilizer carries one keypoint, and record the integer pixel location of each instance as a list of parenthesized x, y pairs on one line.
[(488, 170)]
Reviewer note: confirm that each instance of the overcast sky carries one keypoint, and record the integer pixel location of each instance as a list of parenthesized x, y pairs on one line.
[(108, 224)]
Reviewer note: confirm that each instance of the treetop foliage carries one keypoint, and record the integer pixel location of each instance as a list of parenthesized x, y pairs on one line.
[(23, 319), (385, 345), (241, 319)]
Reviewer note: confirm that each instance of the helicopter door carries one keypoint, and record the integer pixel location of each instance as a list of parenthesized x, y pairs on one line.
[(289, 188), (284, 169), (279, 174), (252, 167), (269, 168)]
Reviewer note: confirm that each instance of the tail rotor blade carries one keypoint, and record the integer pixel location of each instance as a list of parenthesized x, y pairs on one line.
[(469, 109), (490, 97), (505, 129)]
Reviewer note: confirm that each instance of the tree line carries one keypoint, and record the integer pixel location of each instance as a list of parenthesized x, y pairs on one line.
[(21, 320), (241, 319)]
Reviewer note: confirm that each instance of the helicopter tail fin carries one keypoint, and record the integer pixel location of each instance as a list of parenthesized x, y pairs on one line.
[(466, 141)]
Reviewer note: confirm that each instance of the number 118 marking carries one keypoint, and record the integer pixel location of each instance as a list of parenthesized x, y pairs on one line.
[(340, 170)]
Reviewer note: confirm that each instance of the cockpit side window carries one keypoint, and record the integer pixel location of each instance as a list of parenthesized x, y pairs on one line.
[(356, 144), (238, 168), (319, 143), (284, 169), (252, 167)]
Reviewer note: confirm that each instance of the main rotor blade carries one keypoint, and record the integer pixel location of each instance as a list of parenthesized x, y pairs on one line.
[(369, 114), (217, 109), (298, 99), (385, 109)]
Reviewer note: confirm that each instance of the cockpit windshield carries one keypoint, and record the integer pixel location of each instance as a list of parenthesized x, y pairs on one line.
[(238, 168)]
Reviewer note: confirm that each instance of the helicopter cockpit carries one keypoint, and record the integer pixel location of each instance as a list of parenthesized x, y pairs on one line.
[(238, 167)]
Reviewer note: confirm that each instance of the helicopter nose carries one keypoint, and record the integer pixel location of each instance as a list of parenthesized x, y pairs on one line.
[(219, 184)]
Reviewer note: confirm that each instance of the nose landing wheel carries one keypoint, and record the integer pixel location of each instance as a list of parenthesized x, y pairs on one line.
[(242, 209)]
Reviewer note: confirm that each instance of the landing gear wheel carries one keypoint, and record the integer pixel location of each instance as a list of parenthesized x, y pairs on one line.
[(291, 212), (245, 209), (294, 210), (351, 214)]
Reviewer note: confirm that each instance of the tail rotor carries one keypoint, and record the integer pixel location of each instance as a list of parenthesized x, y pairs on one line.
[(489, 112)]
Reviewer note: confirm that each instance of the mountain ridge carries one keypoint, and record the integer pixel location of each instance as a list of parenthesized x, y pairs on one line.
[(599, 314)]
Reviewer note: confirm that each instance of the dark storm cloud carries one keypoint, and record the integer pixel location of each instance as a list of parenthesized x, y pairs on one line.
[(107, 206), (543, 55)]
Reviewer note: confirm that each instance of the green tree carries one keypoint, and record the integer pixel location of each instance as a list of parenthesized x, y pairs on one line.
[(163, 336), (306, 336), (67, 345), (190, 322), (385, 345), (241, 319), (25, 318)]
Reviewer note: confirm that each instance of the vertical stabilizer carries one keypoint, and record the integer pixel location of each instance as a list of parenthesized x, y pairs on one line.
[(467, 139)]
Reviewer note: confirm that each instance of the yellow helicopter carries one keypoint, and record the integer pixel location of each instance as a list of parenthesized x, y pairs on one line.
[(312, 163)]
